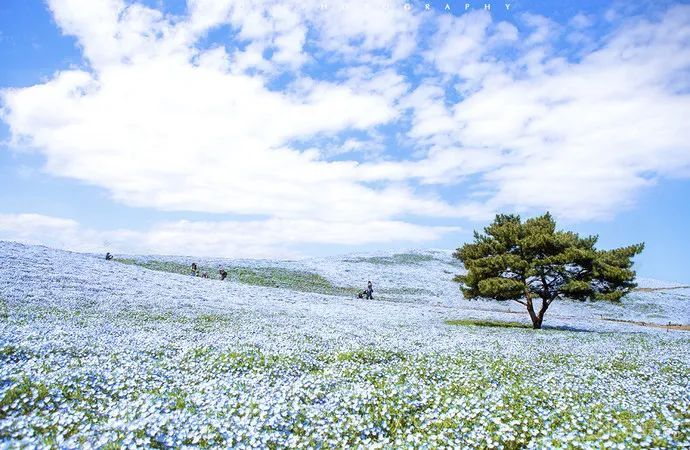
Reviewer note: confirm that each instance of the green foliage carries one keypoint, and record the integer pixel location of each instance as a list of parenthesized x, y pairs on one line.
[(521, 261)]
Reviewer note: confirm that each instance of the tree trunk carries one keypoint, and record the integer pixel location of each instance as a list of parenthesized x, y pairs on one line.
[(536, 320), (536, 324)]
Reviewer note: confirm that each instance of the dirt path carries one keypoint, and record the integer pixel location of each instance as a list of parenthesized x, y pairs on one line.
[(670, 326)]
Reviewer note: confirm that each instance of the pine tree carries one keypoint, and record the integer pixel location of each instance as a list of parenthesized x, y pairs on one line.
[(532, 260)]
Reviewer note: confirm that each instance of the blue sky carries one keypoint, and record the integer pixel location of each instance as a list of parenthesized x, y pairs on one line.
[(283, 129)]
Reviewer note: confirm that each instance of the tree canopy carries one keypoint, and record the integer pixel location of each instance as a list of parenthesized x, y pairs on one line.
[(524, 261)]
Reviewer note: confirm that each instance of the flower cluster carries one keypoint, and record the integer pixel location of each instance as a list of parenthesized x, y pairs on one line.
[(96, 354)]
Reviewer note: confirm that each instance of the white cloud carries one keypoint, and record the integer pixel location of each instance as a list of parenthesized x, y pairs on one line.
[(459, 44), (585, 137), (37, 229), (238, 239), (542, 29), (160, 122), (580, 138), (581, 21), (355, 30), (199, 140)]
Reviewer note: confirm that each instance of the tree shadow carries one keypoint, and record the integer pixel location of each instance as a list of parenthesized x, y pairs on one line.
[(569, 328)]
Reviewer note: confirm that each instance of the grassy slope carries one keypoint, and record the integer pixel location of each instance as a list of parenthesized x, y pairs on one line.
[(256, 276)]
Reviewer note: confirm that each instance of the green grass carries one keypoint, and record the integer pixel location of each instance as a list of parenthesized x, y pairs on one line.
[(407, 291), (164, 266), (200, 323), (256, 276), (487, 323), (25, 388), (208, 322), (8, 350), (410, 259), (399, 258), (144, 316), (368, 356), (4, 309)]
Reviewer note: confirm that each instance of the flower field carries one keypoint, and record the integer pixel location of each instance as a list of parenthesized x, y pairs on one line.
[(137, 354)]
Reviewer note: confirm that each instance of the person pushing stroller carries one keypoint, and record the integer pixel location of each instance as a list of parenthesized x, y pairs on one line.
[(368, 293)]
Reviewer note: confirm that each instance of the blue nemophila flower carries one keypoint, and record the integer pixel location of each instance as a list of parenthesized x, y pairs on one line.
[(99, 364)]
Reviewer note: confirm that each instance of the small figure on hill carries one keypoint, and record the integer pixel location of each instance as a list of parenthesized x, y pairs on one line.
[(195, 270), (223, 274), (370, 291), (108, 256), (204, 275)]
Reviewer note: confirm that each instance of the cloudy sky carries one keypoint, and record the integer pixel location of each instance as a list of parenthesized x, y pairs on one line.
[(281, 128)]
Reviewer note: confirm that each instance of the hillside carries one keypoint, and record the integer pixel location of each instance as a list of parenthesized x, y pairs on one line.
[(425, 277), (115, 353)]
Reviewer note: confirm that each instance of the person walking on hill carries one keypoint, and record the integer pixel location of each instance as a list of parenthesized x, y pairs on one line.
[(370, 291), (195, 270)]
